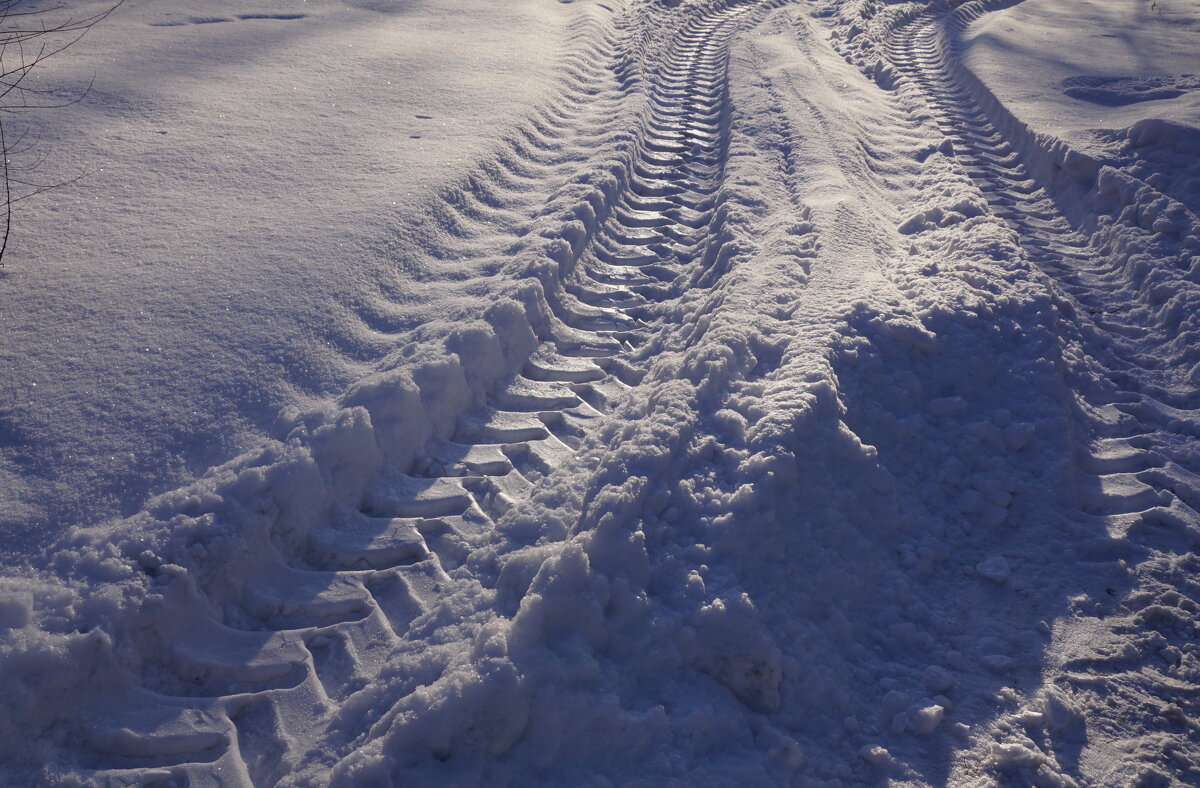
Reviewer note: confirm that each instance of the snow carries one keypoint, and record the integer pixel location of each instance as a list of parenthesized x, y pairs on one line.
[(740, 393), (242, 240), (1069, 71), (995, 569)]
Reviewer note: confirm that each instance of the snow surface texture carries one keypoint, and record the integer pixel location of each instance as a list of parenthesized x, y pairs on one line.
[(830, 422), (245, 236)]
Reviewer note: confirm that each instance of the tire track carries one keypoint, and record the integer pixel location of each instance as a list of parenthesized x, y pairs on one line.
[(244, 694), (1089, 230)]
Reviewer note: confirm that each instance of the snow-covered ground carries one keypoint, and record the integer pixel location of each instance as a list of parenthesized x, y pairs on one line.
[(702, 392), (249, 233)]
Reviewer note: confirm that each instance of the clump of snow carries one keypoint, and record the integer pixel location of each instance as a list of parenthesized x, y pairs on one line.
[(995, 569), (925, 720)]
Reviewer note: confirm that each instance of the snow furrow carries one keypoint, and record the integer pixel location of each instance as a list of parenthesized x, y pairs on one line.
[(1089, 228), (292, 634)]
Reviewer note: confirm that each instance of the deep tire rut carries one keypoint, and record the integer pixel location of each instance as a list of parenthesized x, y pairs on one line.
[(1135, 454), (244, 695), (1088, 283)]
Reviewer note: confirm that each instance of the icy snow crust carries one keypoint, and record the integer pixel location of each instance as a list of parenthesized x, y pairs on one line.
[(828, 425)]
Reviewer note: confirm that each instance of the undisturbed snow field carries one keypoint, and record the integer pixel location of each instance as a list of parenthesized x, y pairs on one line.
[(697, 392)]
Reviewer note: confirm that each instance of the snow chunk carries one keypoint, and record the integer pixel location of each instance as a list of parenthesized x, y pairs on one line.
[(15, 610), (998, 662), (1058, 712), (788, 752), (995, 569), (876, 756), (937, 679), (1010, 755), (925, 720), (947, 406), (737, 651)]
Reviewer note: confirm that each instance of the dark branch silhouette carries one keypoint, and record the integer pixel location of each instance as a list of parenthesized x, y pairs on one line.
[(29, 37)]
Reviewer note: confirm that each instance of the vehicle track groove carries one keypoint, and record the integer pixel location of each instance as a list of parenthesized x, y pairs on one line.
[(316, 620)]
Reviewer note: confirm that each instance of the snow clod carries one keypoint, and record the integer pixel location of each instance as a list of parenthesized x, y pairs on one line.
[(995, 569), (925, 720), (876, 756), (937, 679)]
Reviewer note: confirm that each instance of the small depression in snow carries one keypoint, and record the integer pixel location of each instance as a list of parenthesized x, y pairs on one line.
[(1120, 91)]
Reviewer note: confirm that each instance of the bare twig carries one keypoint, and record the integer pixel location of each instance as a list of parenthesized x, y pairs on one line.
[(27, 39), (8, 201)]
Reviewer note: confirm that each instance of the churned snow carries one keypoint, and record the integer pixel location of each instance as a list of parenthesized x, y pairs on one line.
[(708, 392)]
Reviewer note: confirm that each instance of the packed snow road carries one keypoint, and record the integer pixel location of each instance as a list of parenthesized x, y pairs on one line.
[(828, 425)]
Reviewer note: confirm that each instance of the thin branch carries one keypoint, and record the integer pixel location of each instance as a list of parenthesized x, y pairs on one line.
[(8, 201), (27, 40)]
